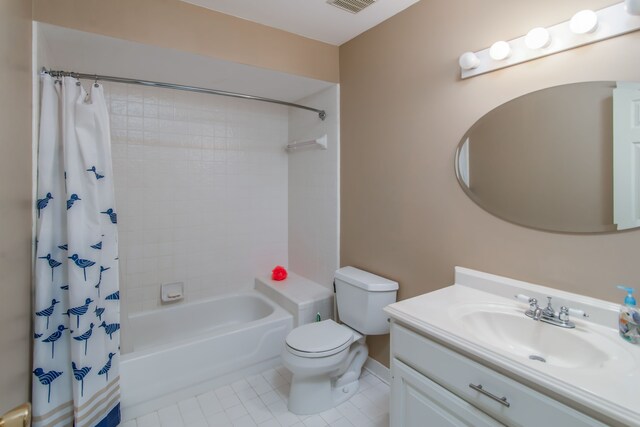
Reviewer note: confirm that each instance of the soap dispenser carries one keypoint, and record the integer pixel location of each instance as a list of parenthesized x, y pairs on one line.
[(629, 321)]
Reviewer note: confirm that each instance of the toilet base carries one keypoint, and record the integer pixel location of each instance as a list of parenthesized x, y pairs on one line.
[(311, 394)]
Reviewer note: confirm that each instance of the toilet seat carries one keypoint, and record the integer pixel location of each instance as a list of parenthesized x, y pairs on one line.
[(320, 339)]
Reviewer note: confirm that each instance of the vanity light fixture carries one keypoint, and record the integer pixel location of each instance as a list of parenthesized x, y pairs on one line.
[(632, 7), (583, 28), (468, 61), (583, 22), (538, 38), (500, 50)]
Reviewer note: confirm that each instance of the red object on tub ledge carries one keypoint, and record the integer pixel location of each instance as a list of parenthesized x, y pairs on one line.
[(279, 273)]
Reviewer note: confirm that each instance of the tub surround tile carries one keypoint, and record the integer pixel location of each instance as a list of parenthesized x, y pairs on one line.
[(196, 172)]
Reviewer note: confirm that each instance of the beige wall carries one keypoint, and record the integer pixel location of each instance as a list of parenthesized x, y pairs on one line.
[(15, 202), (179, 25), (404, 110)]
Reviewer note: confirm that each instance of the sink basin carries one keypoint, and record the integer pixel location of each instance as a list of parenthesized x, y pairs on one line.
[(509, 330)]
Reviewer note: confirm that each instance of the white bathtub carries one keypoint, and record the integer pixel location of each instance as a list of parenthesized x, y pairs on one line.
[(179, 347)]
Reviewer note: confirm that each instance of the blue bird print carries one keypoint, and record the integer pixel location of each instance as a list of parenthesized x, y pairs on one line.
[(47, 311), (64, 247), (42, 203), (97, 246), (36, 335), (46, 378), (64, 287), (79, 375), (110, 328), (93, 169), (81, 310), (85, 337), (72, 200), (54, 337), (82, 263), (102, 270), (113, 296), (112, 215), (52, 263), (107, 366), (98, 311)]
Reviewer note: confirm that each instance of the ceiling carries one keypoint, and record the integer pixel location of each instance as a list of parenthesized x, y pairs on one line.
[(314, 19)]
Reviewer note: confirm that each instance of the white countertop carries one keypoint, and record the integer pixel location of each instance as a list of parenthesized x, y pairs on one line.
[(612, 388)]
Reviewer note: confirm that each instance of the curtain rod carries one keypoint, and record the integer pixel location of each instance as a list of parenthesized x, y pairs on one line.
[(56, 73)]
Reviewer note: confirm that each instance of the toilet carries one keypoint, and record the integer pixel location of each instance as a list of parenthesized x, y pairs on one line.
[(326, 357)]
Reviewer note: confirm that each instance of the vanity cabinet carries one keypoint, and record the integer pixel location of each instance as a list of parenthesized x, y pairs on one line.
[(434, 386)]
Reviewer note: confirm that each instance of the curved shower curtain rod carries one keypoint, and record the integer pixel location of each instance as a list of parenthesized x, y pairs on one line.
[(56, 73)]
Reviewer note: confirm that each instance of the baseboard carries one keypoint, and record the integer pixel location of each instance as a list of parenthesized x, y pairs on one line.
[(378, 369)]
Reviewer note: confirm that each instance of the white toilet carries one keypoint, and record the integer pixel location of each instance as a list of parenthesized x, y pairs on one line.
[(325, 357)]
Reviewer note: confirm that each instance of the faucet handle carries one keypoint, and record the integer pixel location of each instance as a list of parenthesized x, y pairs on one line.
[(549, 311), (563, 316)]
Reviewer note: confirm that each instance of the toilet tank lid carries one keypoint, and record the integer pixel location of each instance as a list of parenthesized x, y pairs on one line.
[(365, 280)]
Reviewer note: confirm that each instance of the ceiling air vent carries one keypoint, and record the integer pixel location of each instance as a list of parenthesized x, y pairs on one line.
[(353, 6)]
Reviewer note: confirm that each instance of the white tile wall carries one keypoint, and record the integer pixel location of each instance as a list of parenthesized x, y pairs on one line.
[(314, 191), (201, 191)]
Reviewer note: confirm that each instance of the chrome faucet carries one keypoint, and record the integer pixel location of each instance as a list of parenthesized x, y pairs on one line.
[(548, 314), (534, 311)]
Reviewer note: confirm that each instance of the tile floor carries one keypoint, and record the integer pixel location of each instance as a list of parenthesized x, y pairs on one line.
[(261, 400)]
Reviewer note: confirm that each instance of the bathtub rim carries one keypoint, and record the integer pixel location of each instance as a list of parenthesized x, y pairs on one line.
[(277, 314)]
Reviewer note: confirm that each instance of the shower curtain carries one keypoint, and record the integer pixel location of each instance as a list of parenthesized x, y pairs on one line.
[(76, 313)]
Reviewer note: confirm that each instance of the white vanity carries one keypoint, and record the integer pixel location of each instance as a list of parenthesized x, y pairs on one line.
[(467, 355)]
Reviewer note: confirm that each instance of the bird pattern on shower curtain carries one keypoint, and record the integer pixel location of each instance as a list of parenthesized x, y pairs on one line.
[(76, 316)]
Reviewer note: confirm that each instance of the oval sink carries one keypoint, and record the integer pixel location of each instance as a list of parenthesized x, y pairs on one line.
[(511, 331)]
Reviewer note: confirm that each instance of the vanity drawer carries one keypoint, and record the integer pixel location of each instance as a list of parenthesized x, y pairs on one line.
[(522, 406)]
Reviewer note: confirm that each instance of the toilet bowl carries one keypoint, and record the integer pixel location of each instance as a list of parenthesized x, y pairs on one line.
[(325, 359)]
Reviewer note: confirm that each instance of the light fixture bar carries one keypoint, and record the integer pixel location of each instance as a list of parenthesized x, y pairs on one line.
[(613, 21)]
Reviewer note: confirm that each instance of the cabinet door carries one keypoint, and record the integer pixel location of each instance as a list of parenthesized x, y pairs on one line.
[(416, 401)]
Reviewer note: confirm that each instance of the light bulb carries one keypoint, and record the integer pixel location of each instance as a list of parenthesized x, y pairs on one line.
[(632, 7), (583, 22), (500, 50), (537, 38), (469, 61)]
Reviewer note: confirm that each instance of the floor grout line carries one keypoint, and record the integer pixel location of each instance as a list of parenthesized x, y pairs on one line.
[(261, 401)]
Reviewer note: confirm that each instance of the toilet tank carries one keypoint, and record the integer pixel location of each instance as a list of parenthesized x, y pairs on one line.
[(361, 296)]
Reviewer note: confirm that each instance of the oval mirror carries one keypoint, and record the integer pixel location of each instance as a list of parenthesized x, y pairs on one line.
[(562, 159)]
